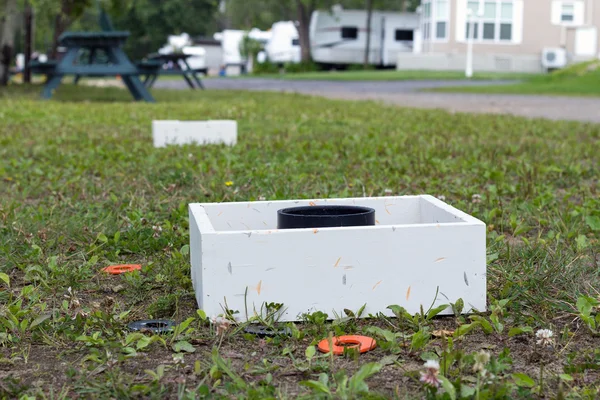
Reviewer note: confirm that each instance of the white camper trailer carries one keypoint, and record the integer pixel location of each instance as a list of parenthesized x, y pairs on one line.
[(339, 36), (283, 46), (230, 43)]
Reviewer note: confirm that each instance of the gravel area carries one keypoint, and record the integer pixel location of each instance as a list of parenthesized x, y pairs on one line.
[(408, 94)]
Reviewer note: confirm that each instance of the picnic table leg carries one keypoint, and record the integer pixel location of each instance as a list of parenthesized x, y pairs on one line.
[(55, 77), (137, 88), (52, 83), (152, 80), (184, 74), (131, 87), (198, 81), (194, 75), (146, 79), (141, 89), (133, 82), (188, 80)]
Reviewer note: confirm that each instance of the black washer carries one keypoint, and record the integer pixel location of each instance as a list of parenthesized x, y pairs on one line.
[(154, 325)]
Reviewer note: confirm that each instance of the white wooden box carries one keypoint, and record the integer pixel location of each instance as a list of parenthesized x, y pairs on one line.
[(167, 132), (419, 244)]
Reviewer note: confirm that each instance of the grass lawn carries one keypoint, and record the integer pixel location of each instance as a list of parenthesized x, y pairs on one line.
[(391, 75), (82, 188), (576, 80)]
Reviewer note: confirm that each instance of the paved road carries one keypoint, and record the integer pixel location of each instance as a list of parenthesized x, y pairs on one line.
[(407, 94)]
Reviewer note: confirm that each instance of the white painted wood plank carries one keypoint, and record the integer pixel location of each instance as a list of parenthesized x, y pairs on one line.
[(168, 132)]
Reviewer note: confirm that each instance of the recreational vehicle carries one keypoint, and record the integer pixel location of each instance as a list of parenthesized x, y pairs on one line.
[(230, 43), (214, 52), (283, 46), (339, 36)]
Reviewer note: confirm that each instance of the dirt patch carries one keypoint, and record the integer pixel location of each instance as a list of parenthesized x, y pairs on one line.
[(254, 360)]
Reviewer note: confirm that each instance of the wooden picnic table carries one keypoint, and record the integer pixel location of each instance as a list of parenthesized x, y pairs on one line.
[(118, 63), (178, 62)]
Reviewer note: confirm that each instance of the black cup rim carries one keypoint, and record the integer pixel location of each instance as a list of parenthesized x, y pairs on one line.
[(325, 216), (297, 211)]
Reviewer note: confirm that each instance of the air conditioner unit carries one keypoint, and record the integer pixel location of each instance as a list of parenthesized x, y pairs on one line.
[(554, 57)]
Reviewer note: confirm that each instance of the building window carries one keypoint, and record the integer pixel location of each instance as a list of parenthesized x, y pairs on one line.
[(488, 31), (492, 20), (506, 32), (404, 35), (434, 19), (475, 26), (426, 9), (349, 32), (440, 30), (567, 12), (295, 42)]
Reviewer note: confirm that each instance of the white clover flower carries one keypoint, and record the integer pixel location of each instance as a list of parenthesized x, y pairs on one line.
[(221, 324), (545, 337), (476, 198), (482, 358), (430, 376)]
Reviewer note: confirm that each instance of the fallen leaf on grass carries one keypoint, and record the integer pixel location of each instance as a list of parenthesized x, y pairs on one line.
[(442, 333)]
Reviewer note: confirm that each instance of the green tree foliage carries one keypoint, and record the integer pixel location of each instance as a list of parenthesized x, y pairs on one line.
[(148, 21), (151, 21), (52, 18), (242, 14)]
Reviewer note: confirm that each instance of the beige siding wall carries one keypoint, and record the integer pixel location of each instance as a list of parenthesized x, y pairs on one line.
[(538, 32)]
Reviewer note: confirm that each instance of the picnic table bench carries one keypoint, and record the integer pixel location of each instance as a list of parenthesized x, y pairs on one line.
[(178, 61), (43, 68), (118, 63)]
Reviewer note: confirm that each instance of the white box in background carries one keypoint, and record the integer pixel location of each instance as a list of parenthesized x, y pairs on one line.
[(166, 133), (419, 245)]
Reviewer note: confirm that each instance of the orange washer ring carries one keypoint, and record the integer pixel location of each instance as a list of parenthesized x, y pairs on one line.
[(364, 344), (120, 269)]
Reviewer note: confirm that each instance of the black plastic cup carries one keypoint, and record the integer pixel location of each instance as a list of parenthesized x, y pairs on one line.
[(324, 217)]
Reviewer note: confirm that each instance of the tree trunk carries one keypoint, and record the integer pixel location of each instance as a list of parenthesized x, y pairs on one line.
[(368, 45), (61, 23), (28, 39), (7, 40), (304, 14)]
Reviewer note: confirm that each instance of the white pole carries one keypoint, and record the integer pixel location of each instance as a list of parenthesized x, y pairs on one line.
[(470, 36)]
